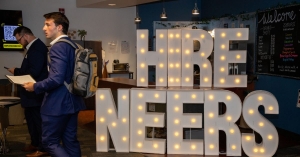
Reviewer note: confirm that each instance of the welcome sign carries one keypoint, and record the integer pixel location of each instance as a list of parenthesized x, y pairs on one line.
[(174, 59)]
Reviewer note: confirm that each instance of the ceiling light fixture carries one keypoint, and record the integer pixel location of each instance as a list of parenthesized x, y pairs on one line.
[(137, 19), (195, 11), (111, 4), (163, 14)]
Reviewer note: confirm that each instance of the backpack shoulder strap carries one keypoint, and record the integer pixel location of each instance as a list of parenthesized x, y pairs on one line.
[(68, 41), (68, 86), (71, 43)]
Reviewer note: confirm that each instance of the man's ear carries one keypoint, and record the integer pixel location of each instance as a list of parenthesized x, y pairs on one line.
[(60, 28)]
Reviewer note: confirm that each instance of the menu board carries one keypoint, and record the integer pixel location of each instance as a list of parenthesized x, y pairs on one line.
[(278, 42)]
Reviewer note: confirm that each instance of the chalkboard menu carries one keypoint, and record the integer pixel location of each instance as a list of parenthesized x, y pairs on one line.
[(278, 42)]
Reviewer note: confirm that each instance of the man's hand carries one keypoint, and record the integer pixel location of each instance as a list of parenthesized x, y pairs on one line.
[(11, 70), (28, 86)]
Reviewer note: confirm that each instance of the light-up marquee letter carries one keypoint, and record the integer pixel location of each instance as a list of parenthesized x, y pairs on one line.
[(174, 57), (140, 119), (157, 58), (213, 122), (260, 124), (189, 57), (223, 56), (116, 121), (177, 120)]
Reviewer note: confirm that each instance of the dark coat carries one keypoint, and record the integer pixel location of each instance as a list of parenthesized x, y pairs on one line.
[(34, 64)]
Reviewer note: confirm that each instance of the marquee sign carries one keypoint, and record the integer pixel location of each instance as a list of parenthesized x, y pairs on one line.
[(174, 59)]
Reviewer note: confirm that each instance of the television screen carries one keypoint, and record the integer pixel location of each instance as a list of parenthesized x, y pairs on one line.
[(10, 20)]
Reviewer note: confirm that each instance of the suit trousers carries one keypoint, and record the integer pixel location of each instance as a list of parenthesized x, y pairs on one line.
[(61, 128), (34, 124)]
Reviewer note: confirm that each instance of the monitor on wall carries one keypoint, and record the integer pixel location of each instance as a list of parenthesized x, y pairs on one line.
[(10, 20)]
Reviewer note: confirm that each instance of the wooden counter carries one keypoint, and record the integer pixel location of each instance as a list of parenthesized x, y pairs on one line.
[(120, 74), (115, 83)]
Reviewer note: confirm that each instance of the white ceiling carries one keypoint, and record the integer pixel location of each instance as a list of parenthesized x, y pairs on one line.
[(105, 3)]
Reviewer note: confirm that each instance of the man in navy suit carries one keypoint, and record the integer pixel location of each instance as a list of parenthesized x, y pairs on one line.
[(34, 64), (60, 108)]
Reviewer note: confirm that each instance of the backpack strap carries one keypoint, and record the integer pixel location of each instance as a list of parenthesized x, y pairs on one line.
[(67, 41), (73, 45)]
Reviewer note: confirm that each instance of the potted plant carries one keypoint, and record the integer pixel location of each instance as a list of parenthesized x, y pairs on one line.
[(82, 34)]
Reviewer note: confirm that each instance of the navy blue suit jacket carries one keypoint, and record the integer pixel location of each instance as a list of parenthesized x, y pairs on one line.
[(58, 100), (34, 64)]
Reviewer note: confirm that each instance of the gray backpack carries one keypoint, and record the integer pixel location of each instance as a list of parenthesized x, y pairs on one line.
[(85, 80)]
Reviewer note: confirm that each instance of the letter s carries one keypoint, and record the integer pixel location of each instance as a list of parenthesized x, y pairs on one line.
[(260, 124)]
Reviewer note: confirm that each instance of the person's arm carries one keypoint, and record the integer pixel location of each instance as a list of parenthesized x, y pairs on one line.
[(28, 86), (11, 70), (57, 70)]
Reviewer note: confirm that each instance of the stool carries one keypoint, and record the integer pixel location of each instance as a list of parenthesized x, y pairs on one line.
[(3, 127), (5, 103)]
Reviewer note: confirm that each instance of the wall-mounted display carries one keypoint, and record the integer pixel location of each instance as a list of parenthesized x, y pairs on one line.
[(278, 42), (10, 20)]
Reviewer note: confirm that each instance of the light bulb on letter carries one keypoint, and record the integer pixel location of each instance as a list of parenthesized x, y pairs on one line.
[(101, 97), (140, 95), (270, 137)]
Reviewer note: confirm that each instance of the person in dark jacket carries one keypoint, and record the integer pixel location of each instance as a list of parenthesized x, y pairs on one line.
[(34, 64), (60, 107)]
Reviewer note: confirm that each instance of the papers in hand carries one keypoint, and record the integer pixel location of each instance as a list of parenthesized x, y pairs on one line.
[(20, 79)]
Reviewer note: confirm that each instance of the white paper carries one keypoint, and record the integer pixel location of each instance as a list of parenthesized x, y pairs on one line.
[(112, 47), (125, 47), (20, 79)]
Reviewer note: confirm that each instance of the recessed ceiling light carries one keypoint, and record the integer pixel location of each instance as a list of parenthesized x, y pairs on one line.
[(111, 4)]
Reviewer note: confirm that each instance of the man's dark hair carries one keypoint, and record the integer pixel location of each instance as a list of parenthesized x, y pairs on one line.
[(59, 19), (22, 30)]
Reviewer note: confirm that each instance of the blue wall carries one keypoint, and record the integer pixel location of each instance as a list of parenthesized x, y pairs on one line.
[(284, 89)]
